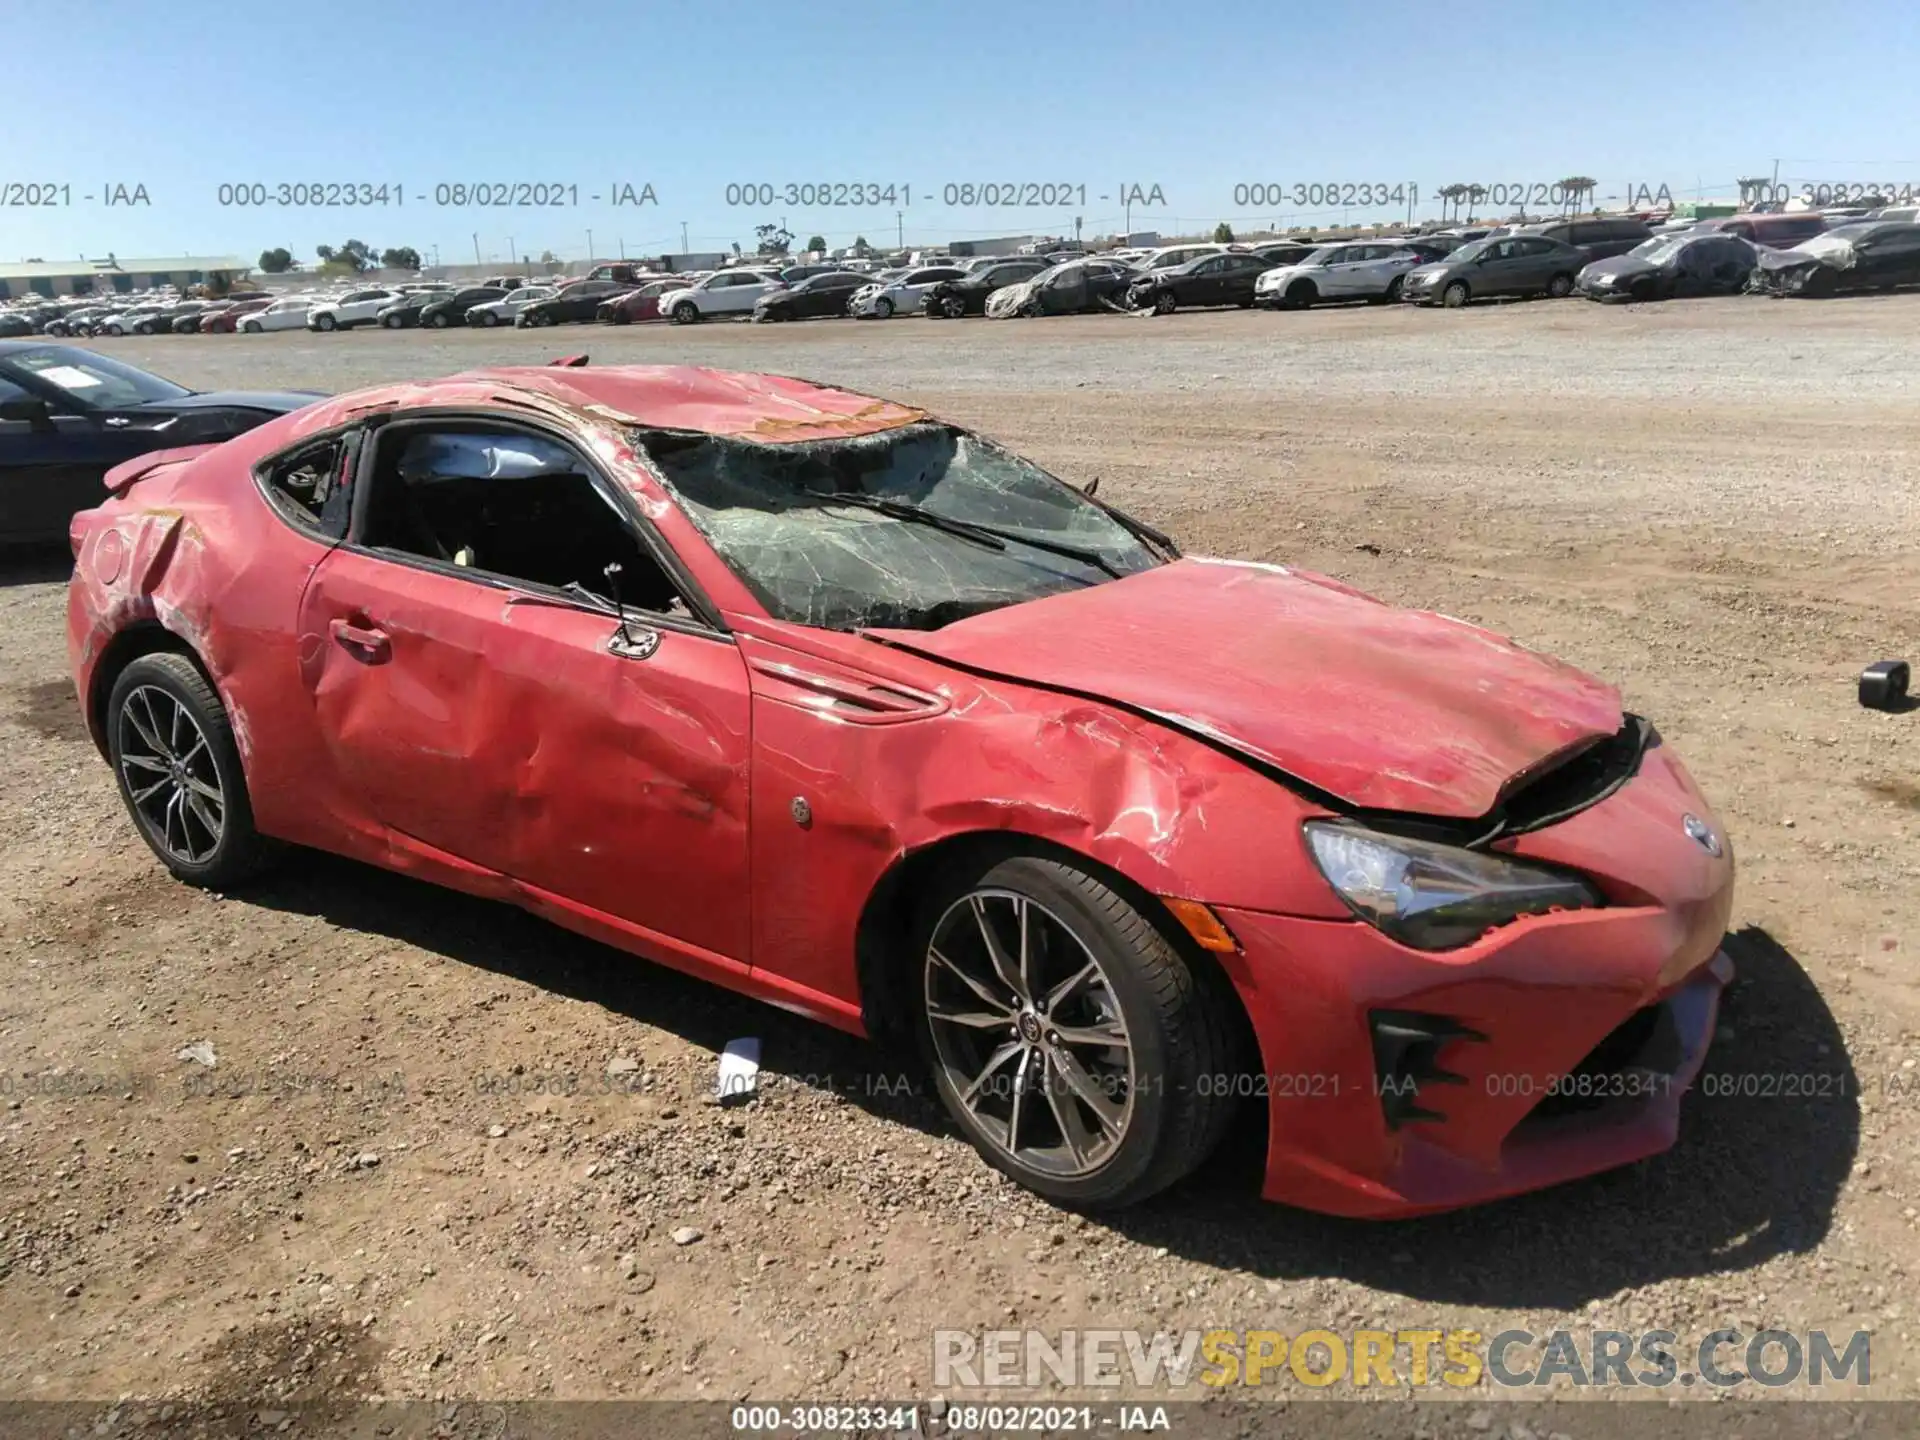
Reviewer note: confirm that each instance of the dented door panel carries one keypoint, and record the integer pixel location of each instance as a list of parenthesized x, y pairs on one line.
[(496, 727)]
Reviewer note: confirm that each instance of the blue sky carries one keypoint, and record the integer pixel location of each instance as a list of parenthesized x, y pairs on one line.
[(1196, 97)]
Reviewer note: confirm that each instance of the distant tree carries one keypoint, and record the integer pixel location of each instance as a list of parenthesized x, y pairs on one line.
[(774, 239), (403, 257), (1754, 188), (1223, 234), (736, 249), (1475, 194), (278, 261), (817, 242), (860, 246), (352, 257), (1451, 196)]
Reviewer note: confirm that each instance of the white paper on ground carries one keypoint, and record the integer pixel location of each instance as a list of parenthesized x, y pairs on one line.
[(739, 1069)]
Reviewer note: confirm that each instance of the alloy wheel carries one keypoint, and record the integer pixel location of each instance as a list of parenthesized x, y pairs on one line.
[(170, 776), (1029, 1033)]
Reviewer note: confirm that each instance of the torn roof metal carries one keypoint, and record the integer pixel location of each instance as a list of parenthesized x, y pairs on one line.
[(773, 409)]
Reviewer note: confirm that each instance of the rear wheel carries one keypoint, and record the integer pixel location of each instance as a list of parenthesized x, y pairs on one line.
[(1066, 1036), (1455, 295), (179, 772), (1560, 286), (1394, 287)]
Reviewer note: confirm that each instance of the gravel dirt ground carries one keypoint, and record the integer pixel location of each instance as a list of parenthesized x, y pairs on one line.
[(448, 1150)]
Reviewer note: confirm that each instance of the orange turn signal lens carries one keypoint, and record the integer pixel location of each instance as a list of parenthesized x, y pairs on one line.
[(1202, 924)]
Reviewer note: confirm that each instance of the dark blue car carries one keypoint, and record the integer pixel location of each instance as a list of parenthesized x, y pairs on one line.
[(69, 415)]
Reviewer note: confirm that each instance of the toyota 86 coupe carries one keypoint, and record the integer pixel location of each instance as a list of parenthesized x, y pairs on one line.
[(816, 696)]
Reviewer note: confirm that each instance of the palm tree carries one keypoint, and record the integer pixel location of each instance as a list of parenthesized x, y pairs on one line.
[(1572, 188), (1451, 195), (1475, 194)]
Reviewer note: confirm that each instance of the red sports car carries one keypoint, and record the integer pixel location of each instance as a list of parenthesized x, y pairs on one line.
[(822, 698)]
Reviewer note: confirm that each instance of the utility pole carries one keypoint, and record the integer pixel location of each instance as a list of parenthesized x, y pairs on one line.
[(685, 249), (513, 252), (589, 249), (1775, 191), (622, 240), (900, 232), (476, 247)]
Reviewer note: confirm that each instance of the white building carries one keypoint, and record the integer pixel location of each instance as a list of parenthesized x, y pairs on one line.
[(113, 275)]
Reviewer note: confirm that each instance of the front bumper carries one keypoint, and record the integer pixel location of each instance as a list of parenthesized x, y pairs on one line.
[(1565, 1041), (1420, 292)]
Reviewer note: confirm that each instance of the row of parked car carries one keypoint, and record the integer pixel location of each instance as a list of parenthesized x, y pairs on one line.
[(1602, 258)]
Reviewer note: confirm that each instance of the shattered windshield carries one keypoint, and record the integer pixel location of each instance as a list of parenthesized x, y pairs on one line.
[(966, 526)]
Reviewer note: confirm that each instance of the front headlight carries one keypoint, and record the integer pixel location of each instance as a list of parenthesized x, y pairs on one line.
[(1605, 278), (1432, 896)]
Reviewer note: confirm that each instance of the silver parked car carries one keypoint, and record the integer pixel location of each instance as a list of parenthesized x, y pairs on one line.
[(1499, 266)]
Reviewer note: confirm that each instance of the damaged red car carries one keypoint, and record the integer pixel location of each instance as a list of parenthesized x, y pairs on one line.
[(818, 697)]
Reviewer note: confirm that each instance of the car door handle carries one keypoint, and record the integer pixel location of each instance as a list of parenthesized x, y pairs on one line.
[(362, 637)]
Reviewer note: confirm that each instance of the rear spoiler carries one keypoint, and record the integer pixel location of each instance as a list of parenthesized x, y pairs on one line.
[(121, 477)]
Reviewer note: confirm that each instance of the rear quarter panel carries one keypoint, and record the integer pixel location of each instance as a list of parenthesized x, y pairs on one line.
[(193, 548)]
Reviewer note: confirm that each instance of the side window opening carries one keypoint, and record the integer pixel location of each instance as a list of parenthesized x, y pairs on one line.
[(303, 483), (508, 503)]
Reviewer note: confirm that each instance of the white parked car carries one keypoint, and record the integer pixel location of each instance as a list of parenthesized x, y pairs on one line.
[(729, 292), (287, 314), (128, 322), (502, 311), (1349, 270), (356, 307), (901, 296)]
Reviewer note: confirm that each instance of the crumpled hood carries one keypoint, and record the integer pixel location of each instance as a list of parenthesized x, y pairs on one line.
[(1384, 708), (1617, 265)]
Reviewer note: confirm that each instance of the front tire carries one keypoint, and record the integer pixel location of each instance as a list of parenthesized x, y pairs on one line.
[(1455, 295), (440, 320), (324, 322), (1067, 1037), (1164, 303), (685, 313), (173, 755), (953, 307), (253, 327), (488, 319), (883, 309), (1301, 295)]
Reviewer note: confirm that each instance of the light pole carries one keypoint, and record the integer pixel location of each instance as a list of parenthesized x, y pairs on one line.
[(684, 249), (512, 253), (589, 249), (476, 247)]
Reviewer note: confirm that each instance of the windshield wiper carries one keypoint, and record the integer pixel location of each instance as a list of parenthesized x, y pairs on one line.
[(992, 536)]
